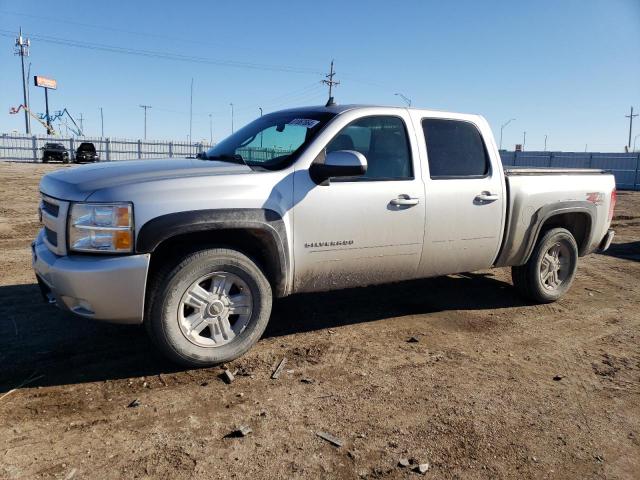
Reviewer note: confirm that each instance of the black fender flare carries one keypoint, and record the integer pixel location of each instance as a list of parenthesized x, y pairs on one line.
[(162, 228), (538, 219)]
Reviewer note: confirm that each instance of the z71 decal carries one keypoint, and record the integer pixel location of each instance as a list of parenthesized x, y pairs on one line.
[(597, 198)]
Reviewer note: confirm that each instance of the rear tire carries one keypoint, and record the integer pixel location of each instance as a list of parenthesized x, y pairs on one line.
[(209, 307), (550, 270)]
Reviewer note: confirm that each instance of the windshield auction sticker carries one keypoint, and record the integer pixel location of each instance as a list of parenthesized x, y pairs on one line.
[(304, 122)]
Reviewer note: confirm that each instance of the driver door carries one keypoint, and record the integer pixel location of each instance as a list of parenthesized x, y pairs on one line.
[(363, 230)]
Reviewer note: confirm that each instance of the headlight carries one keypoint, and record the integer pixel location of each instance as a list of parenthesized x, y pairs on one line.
[(101, 227)]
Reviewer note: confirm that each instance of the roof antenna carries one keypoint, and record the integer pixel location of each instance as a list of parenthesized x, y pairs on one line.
[(331, 82)]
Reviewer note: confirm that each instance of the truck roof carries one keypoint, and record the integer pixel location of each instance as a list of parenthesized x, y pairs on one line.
[(355, 106)]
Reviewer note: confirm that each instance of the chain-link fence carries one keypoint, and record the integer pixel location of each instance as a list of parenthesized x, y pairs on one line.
[(26, 148)]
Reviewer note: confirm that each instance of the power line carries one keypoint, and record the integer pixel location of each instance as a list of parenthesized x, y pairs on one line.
[(188, 58), (134, 32), (166, 55)]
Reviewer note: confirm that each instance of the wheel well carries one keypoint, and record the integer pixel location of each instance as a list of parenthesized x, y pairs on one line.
[(255, 243), (578, 223)]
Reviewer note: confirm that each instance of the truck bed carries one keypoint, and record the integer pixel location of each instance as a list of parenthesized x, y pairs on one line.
[(533, 192)]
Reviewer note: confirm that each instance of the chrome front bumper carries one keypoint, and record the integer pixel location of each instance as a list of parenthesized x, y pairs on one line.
[(100, 287)]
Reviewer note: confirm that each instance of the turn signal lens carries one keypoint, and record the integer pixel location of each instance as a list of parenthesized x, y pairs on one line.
[(122, 240)]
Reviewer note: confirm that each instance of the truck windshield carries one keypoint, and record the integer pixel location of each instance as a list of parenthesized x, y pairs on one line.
[(272, 141)]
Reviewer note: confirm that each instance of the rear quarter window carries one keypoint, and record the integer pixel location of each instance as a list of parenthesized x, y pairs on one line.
[(455, 149)]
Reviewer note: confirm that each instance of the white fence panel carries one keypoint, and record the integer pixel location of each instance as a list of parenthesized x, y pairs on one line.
[(25, 148)]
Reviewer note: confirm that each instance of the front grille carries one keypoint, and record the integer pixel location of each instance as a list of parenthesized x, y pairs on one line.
[(50, 208), (54, 219), (52, 237)]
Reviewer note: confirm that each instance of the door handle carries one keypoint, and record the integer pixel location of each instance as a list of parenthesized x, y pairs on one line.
[(487, 197), (405, 201)]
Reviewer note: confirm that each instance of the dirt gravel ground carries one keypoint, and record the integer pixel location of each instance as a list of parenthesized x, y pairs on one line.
[(493, 388)]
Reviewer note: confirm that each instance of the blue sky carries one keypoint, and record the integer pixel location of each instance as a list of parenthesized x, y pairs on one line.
[(569, 69)]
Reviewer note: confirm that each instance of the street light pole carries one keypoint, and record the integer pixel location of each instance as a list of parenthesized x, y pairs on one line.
[(191, 110), (545, 143), (502, 128), (146, 107), (634, 141), (407, 100), (231, 117), (524, 140), (260, 108), (101, 123), (210, 129)]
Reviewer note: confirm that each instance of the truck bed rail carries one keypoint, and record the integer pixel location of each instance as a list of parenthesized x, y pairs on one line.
[(512, 171)]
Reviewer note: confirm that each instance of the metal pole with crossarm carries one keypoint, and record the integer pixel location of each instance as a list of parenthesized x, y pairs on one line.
[(630, 117), (22, 49)]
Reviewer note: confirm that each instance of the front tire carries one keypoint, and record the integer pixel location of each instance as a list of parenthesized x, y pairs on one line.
[(208, 308), (550, 270)]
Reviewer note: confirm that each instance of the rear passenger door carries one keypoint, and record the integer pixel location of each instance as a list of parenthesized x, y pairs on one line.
[(465, 197)]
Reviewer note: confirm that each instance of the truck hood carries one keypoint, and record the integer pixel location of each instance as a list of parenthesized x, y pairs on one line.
[(77, 183)]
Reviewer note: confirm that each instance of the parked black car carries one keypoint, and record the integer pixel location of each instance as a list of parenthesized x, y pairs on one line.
[(86, 152), (54, 151)]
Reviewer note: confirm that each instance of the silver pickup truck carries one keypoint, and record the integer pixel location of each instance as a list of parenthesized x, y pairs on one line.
[(304, 200)]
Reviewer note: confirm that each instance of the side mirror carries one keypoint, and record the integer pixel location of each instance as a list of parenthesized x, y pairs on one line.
[(340, 163)]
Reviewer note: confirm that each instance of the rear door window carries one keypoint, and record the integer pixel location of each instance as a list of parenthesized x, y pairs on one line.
[(455, 149)]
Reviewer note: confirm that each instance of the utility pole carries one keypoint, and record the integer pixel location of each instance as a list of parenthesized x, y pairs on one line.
[(630, 117), (545, 143), (22, 49), (191, 109), (407, 100), (231, 117), (210, 129), (29, 89), (502, 128), (145, 119), (331, 82), (101, 123), (81, 125)]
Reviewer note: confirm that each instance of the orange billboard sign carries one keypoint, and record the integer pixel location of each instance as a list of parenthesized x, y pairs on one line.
[(45, 82)]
